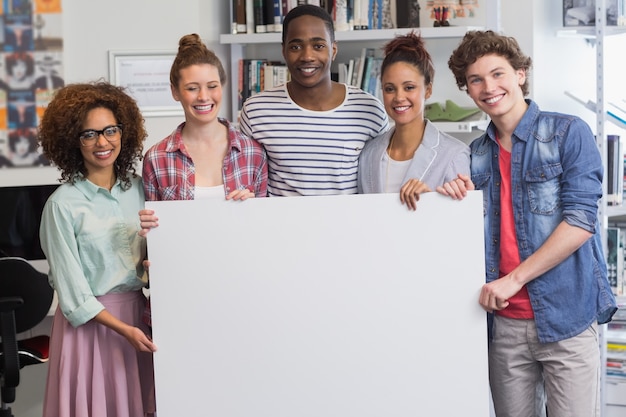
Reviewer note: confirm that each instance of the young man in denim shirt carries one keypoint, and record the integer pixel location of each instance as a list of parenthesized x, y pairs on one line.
[(547, 287)]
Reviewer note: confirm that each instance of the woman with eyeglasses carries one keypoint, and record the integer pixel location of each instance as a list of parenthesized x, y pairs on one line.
[(100, 350)]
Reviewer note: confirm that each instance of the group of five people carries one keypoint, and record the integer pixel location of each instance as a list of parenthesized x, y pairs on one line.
[(540, 173)]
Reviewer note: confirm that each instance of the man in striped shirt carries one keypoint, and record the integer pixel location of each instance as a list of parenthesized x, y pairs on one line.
[(312, 128)]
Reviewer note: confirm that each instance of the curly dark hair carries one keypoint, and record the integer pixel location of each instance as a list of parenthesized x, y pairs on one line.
[(26, 58), (63, 121), (192, 51), (410, 49), (476, 44), (16, 135)]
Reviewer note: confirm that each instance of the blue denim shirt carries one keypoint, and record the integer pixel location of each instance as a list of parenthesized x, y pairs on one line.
[(556, 175)]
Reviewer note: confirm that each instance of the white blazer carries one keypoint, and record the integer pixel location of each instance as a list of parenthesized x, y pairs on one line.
[(438, 159)]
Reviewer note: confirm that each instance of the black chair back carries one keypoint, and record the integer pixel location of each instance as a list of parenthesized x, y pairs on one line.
[(25, 299)]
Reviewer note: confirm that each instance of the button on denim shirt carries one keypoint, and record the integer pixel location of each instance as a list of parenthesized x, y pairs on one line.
[(556, 175)]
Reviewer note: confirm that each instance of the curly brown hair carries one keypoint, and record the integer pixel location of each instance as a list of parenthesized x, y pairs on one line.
[(26, 58), (410, 49), (63, 121), (476, 44), (192, 51)]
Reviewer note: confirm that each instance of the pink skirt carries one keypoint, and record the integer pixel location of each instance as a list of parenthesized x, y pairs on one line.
[(95, 372)]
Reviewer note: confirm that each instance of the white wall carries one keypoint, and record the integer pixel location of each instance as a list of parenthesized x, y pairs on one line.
[(562, 63), (91, 29)]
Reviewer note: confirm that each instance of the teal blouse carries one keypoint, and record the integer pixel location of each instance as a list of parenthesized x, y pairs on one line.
[(89, 236)]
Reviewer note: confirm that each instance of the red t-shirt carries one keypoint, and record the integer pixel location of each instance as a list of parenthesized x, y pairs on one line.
[(519, 305)]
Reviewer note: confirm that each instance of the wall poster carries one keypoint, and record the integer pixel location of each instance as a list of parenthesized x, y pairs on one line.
[(146, 75), (31, 69)]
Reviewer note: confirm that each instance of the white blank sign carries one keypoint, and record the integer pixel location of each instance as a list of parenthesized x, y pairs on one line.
[(320, 307)]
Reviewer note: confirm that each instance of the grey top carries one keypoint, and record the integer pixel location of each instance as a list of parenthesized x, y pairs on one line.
[(438, 159)]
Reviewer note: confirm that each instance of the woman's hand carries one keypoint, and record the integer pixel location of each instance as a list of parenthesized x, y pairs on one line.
[(457, 188), (135, 336), (140, 341), (240, 195), (148, 221), (410, 192)]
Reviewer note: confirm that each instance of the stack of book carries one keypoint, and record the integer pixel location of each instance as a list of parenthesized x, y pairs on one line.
[(363, 72), (616, 342), (615, 258), (616, 359), (256, 75), (263, 16), (258, 16), (614, 171)]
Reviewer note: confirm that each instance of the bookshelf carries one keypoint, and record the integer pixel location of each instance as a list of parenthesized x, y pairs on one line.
[(614, 114), (613, 387), (267, 46), (353, 35), (615, 399), (240, 44)]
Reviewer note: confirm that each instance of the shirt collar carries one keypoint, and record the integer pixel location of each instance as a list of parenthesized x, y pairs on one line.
[(90, 190), (234, 136), (524, 127), (175, 141)]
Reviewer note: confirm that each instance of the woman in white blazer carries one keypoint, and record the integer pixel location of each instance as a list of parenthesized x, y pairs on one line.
[(414, 156)]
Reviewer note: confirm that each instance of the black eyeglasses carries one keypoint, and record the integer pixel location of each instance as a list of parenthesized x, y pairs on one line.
[(111, 133)]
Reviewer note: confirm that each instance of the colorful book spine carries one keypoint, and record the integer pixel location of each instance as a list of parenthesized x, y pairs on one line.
[(361, 13), (278, 15), (240, 85), (268, 15), (259, 17), (250, 16), (239, 16), (615, 171), (341, 15)]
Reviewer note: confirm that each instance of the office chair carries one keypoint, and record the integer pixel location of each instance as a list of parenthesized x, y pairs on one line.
[(25, 299)]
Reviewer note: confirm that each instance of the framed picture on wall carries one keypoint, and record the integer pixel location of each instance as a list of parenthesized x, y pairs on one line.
[(583, 12), (146, 75)]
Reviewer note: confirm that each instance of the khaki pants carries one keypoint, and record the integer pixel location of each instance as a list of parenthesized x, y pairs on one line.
[(520, 368)]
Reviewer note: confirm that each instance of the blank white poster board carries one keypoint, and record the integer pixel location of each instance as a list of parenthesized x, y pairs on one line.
[(343, 306)]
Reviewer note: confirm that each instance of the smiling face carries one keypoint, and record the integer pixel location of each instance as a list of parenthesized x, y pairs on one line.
[(309, 51), (404, 93), (495, 86), (100, 157), (199, 91), (20, 70)]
